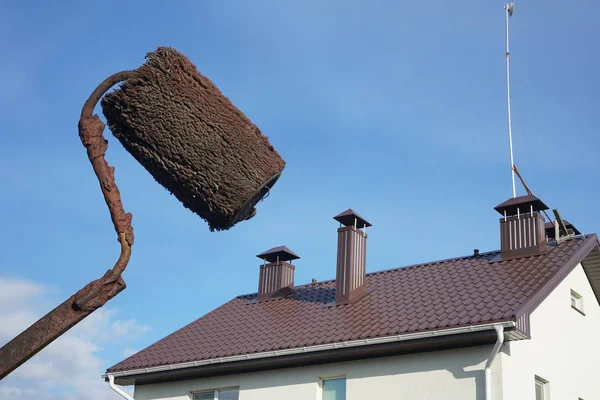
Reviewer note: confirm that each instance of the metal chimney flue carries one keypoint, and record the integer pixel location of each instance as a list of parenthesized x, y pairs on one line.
[(522, 230), (351, 257), (276, 278)]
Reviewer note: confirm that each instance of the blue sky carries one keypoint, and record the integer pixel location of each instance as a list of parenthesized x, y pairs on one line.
[(397, 110)]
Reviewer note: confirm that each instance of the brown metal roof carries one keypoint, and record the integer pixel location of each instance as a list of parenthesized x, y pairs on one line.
[(438, 295)]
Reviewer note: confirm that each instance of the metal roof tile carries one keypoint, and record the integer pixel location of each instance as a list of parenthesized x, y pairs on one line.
[(444, 294)]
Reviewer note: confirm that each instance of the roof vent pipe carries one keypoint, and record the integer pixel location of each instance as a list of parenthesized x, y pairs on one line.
[(276, 278), (351, 273)]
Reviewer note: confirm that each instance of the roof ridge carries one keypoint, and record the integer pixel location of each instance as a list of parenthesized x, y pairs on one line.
[(425, 264), (485, 254)]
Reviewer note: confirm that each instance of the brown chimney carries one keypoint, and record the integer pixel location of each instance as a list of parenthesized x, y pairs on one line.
[(522, 231), (351, 272), (276, 279)]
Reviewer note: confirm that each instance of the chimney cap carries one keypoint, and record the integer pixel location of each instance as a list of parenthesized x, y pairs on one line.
[(524, 203), (280, 253), (348, 217)]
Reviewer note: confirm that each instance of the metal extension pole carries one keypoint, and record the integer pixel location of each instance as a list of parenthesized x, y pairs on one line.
[(508, 11), (96, 293)]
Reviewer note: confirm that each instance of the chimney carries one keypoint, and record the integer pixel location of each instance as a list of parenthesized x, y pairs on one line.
[(276, 279), (522, 230), (351, 274)]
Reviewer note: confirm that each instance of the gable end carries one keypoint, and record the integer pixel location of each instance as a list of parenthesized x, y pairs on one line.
[(588, 249)]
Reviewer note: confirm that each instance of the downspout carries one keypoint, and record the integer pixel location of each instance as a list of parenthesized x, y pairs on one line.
[(490, 361), (120, 392)]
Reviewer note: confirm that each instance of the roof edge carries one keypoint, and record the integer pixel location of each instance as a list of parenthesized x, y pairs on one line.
[(316, 348), (591, 267), (590, 242)]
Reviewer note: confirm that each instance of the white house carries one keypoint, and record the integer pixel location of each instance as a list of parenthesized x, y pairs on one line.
[(518, 323)]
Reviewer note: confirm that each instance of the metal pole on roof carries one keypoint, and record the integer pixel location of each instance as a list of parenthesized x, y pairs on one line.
[(509, 9)]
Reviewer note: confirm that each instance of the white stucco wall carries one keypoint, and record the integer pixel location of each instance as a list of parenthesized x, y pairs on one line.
[(563, 348), (453, 374)]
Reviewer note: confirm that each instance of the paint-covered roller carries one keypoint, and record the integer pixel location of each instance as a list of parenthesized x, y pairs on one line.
[(198, 145), (192, 139)]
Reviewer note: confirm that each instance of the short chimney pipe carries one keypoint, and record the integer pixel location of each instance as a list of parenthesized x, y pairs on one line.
[(351, 257), (276, 278)]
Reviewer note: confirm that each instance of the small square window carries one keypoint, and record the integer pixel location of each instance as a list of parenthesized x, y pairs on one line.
[(225, 394), (576, 301), (334, 389), (542, 389)]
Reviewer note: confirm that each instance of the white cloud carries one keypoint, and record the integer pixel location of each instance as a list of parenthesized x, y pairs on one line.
[(13, 291), (129, 328), (70, 367), (128, 352)]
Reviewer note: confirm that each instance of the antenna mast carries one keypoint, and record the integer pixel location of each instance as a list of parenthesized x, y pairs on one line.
[(509, 8)]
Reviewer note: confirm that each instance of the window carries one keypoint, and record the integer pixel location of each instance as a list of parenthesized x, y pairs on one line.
[(229, 394), (542, 389), (334, 389), (576, 301)]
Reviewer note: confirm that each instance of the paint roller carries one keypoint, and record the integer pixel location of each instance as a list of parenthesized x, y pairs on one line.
[(191, 139)]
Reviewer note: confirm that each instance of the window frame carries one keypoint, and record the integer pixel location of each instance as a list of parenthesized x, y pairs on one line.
[(545, 385), (215, 392), (577, 302), (329, 378)]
